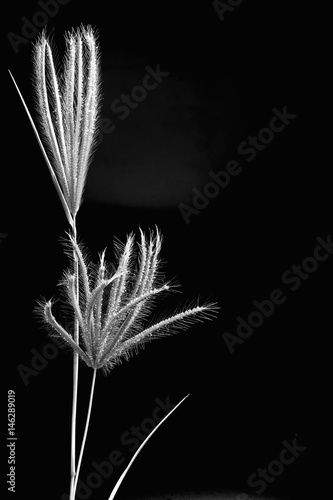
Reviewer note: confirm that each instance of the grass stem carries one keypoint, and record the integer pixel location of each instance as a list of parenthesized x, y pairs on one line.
[(85, 432), (75, 374)]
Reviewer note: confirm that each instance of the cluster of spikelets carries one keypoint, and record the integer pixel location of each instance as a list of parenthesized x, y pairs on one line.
[(68, 105), (114, 304), (110, 305)]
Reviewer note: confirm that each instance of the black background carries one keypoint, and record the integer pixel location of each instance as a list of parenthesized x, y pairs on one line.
[(273, 387)]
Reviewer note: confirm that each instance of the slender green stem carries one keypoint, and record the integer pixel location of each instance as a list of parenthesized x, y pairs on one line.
[(85, 431), (75, 374)]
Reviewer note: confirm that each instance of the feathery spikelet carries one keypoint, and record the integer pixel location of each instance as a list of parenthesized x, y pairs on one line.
[(68, 105), (113, 307)]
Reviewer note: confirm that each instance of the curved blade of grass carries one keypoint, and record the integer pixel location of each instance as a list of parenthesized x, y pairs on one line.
[(53, 176), (122, 477)]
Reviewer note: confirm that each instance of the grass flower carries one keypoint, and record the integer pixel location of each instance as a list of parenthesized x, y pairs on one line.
[(112, 309), (113, 306), (67, 105)]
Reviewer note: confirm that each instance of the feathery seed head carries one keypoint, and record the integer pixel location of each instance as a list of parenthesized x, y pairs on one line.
[(68, 104), (113, 306)]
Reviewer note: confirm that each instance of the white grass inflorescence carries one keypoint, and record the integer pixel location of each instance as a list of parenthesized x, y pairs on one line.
[(68, 105), (114, 306)]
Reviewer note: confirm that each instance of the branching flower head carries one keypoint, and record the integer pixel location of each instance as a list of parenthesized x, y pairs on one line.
[(114, 304), (68, 105)]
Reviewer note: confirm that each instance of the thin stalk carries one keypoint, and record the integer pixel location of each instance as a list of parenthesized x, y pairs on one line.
[(122, 477), (85, 431), (75, 373), (53, 176)]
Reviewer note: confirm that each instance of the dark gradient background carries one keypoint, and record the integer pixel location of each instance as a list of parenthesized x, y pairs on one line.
[(225, 79)]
